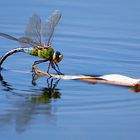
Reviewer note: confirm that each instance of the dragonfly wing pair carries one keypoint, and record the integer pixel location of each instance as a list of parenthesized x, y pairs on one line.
[(42, 32), (38, 33)]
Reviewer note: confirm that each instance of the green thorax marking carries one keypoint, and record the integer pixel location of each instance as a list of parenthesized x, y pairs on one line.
[(42, 52)]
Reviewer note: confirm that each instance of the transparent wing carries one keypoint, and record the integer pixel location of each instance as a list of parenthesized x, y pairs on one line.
[(48, 28), (28, 42), (8, 36), (24, 40), (33, 29)]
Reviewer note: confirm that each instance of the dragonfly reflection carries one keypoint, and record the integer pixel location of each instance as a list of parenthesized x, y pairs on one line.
[(22, 110), (44, 95)]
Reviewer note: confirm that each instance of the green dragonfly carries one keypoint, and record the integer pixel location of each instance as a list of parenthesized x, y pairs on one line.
[(37, 41)]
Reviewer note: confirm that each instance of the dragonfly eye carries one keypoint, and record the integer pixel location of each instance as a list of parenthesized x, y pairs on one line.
[(57, 57)]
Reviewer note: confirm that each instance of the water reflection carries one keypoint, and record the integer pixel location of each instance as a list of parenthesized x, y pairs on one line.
[(6, 86), (51, 92), (22, 112)]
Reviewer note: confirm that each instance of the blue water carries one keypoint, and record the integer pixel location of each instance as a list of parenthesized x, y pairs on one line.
[(96, 37)]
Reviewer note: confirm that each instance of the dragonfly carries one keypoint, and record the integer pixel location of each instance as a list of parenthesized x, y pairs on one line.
[(37, 41)]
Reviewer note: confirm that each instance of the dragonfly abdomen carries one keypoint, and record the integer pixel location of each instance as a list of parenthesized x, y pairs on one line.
[(42, 52), (10, 53)]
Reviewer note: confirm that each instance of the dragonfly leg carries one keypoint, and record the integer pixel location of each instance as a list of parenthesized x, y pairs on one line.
[(49, 66), (56, 68), (37, 62)]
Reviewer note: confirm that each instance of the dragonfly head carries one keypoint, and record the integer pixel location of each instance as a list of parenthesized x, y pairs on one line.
[(57, 57)]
